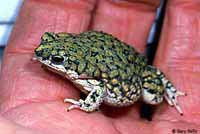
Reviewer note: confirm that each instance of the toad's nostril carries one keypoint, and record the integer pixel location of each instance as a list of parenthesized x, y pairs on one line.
[(45, 58), (38, 53)]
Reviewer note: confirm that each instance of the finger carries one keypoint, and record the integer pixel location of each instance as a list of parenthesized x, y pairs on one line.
[(24, 81), (37, 17), (129, 21), (178, 56)]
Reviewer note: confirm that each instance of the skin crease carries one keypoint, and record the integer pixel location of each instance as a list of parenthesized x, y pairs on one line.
[(31, 98)]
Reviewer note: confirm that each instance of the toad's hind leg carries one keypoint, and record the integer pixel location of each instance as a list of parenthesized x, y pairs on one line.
[(171, 93), (92, 101)]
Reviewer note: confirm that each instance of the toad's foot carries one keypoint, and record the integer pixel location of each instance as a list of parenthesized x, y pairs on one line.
[(91, 103), (171, 96), (171, 93), (76, 104)]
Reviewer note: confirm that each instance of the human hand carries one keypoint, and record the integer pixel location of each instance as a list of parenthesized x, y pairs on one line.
[(32, 99)]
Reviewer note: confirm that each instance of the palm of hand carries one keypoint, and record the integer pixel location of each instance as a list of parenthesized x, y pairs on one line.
[(33, 98), (45, 111)]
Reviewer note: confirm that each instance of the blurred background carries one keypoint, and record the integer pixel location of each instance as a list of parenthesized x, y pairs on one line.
[(9, 10)]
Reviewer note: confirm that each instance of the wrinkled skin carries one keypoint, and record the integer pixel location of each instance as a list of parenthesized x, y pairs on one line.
[(31, 98)]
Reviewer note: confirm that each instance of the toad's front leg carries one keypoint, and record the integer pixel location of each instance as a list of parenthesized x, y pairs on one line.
[(92, 101)]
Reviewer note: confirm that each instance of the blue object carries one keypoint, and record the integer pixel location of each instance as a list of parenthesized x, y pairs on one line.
[(8, 12)]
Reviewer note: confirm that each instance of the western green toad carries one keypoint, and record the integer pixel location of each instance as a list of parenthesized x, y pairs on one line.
[(106, 69)]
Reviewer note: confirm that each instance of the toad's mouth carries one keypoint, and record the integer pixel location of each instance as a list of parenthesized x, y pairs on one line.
[(47, 64), (59, 69)]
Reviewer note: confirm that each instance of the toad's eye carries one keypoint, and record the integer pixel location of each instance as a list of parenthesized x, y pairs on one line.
[(57, 59)]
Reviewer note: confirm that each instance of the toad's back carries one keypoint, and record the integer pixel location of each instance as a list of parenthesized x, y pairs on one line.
[(98, 53)]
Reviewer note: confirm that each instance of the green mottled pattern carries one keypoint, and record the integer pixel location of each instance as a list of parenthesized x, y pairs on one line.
[(152, 79), (100, 56)]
